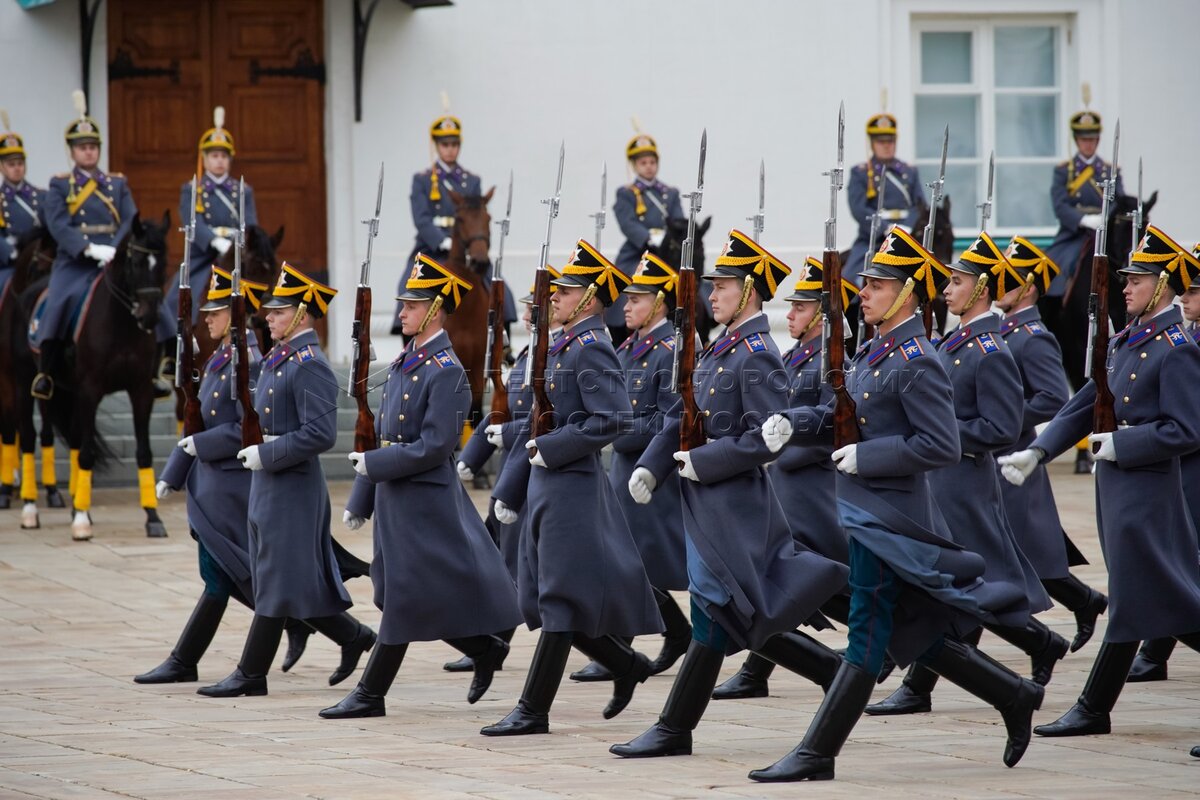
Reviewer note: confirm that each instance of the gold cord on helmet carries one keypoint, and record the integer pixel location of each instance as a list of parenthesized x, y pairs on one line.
[(434, 307), (747, 285), (301, 313), (1158, 290), (980, 284), (905, 291), (582, 304)]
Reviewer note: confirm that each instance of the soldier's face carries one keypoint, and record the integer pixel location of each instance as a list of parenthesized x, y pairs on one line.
[(877, 297), (412, 314), (646, 167), (217, 162), (563, 302), (1191, 304), (527, 316), (800, 315), (884, 147), (726, 294), (1139, 289), (638, 307), (87, 155), (13, 169), (217, 322), (1087, 145), (958, 291), (447, 150), (278, 320)]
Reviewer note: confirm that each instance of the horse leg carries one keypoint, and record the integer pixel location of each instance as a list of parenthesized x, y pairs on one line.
[(54, 498), (85, 427), (26, 436), (141, 400), (8, 452)]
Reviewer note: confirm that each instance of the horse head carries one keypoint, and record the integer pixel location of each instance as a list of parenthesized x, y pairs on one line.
[(36, 250), (671, 249), (943, 229), (472, 234), (135, 275), (258, 256)]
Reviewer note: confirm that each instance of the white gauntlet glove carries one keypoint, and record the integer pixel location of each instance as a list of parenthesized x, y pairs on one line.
[(1018, 466), (103, 253), (161, 490), (494, 435), (359, 460), (641, 485), (221, 245), (1108, 448), (535, 457), (188, 445), (846, 459), (352, 522), (1092, 221), (250, 458), (465, 473), (504, 515), (686, 470), (776, 432)]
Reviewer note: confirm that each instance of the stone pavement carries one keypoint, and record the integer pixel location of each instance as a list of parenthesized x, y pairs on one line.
[(77, 620)]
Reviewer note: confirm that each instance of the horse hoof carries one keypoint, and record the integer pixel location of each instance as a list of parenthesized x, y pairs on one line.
[(81, 527), (6, 497), (156, 530), (54, 497), (481, 481), (29, 517)]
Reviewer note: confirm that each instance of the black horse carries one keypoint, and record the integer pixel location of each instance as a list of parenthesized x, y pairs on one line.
[(671, 252)]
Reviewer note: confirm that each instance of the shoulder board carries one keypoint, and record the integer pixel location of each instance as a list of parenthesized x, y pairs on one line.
[(305, 354), (1063, 163), (587, 337), (1036, 327), (444, 359), (120, 175), (912, 349), (987, 343), (668, 342), (1175, 335), (862, 165), (755, 343), (62, 175)]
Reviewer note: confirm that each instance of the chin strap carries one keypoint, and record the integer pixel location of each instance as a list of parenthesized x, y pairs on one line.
[(1158, 290), (434, 308), (658, 303), (905, 291), (980, 284), (301, 313), (582, 304), (812, 323)]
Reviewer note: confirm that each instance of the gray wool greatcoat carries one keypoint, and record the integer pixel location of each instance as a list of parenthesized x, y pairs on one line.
[(803, 475), (580, 569), (1146, 532), (437, 574), (291, 550), (744, 568), (1031, 508), (218, 486), (987, 407), (657, 527)]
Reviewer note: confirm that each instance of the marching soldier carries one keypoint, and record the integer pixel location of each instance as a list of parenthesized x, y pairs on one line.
[(1145, 527), (437, 575), (803, 474), (581, 579), (882, 172), (1031, 508), (749, 582), (87, 212), (914, 591), (642, 209), (294, 571), (20, 201)]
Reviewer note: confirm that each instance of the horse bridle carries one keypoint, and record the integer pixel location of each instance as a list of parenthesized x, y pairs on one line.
[(127, 300)]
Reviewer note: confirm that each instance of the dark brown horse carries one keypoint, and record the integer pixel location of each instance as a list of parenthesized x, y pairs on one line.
[(671, 252), (470, 241)]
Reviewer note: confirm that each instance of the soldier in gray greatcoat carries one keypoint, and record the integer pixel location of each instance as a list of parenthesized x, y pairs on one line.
[(1146, 530), (750, 583), (20, 202), (436, 570), (581, 578), (294, 571), (914, 591)]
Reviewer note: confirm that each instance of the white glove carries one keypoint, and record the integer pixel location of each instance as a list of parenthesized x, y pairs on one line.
[(504, 515), (1108, 448), (1018, 466), (846, 459), (352, 521), (221, 245), (1092, 221), (536, 457), (446, 243), (188, 445), (359, 461), (776, 432), (494, 436), (656, 238), (103, 253), (684, 457), (250, 458), (161, 490), (641, 485), (464, 472)]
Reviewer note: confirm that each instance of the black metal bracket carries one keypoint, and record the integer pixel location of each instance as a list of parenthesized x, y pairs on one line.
[(122, 68), (88, 10), (306, 68), (362, 24)]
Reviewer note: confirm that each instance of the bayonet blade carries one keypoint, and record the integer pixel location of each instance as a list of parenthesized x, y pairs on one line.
[(762, 185), (379, 193), (703, 155), (562, 154), (842, 136), (603, 186), (985, 208), (508, 204), (945, 148)]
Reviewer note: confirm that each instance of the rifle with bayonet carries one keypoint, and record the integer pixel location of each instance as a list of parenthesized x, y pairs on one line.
[(493, 355), (759, 219), (601, 215), (833, 346), (541, 416), (1104, 419), (691, 422), (936, 188), (866, 330), (251, 429), (985, 208), (187, 377), (1139, 216), (360, 337)]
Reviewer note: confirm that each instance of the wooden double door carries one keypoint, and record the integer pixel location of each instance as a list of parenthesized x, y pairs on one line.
[(171, 63)]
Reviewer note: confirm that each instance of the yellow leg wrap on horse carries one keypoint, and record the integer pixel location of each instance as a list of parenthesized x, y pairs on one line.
[(83, 490), (29, 485), (146, 487), (73, 478), (1082, 444), (49, 476), (466, 434), (8, 462), (179, 428)]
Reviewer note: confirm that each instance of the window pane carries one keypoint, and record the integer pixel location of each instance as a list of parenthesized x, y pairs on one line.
[(1023, 195), (946, 57), (1026, 125), (962, 187), (1026, 57), (934, 112)]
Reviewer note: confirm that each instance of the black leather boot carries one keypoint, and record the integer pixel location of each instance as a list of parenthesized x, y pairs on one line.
[(995, 684), (812, 759), (749, 681), (367, 698), (486, 653), (465, 664), (532, 714), (672, 735), (1090, 714), (1085, 602), (1150, 664), (803, 655), (197, 635), (48, 365), (629, 667), (1045, 647), (915, 695), (250, 677), (348, 633), (676, 638), (1196, 751), (298, 632)]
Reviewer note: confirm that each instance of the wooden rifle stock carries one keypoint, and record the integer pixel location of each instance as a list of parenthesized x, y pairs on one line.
[(185, 366), (1104, 418), (845, 425), (542, 415), (500, 410), (691, 422), (251, 429), (364, 425)]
